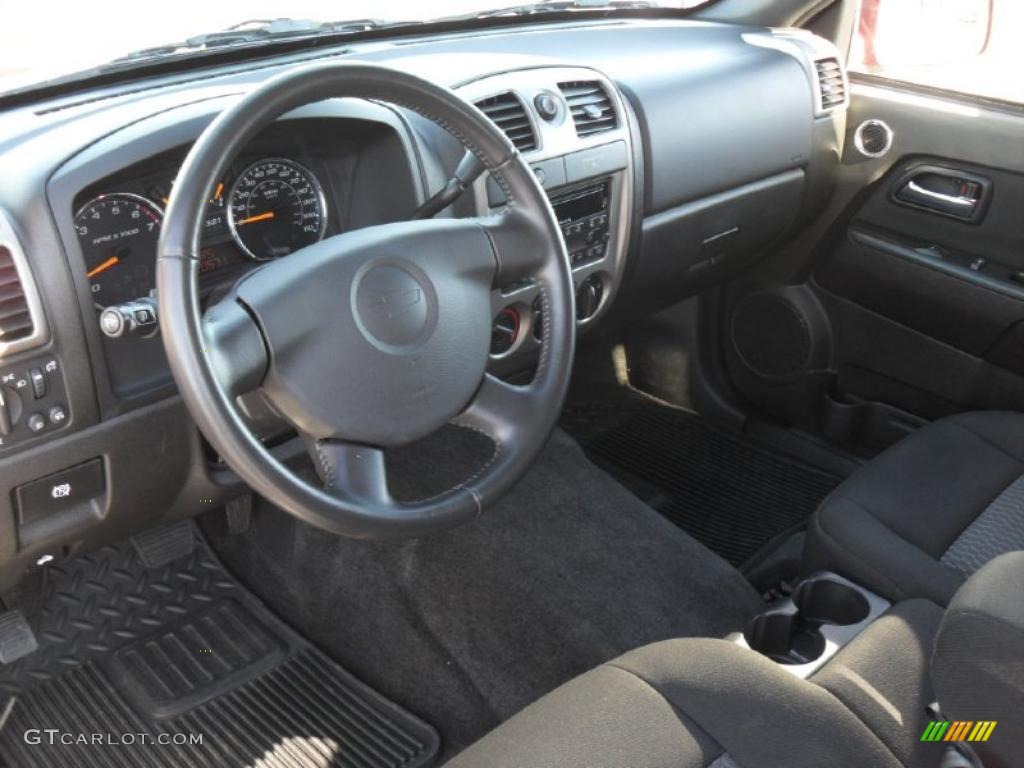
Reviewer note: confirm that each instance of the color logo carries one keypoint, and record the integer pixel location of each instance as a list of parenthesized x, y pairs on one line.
[(958, 730)]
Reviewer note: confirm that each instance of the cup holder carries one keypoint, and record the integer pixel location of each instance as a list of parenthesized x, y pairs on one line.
[(791, 634)]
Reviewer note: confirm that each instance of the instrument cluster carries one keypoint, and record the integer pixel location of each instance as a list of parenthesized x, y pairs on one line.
[(269, 209)]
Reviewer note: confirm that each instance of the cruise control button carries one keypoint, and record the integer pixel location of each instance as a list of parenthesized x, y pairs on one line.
[(36, 422)]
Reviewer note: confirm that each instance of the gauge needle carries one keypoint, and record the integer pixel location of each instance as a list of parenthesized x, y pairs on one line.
[(113, 261), (258, 217)]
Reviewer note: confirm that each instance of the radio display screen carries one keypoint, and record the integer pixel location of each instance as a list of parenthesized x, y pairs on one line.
[(581, 205)]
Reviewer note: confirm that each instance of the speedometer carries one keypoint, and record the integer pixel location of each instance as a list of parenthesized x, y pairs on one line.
[(275, 207), (118, 233)]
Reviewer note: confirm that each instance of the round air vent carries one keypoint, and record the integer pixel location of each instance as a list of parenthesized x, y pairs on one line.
[(873, 138), (504, 332), (771, 335)]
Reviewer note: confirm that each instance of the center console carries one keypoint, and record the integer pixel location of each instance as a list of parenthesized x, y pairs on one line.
[(571, 125)]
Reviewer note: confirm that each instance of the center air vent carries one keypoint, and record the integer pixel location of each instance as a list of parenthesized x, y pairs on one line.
[(590, 106), (508, 113), (15, 317), (831, 83)]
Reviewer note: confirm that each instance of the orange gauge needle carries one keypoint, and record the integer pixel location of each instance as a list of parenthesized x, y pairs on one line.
[(258, 217), (219, 191), (113, 261)]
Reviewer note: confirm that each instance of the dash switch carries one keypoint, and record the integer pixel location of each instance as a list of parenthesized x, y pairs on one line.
[(60, 492), (38, 383)]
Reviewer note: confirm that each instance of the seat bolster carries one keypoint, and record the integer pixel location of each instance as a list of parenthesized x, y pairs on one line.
[(883, 677), (978, 661), (688, 703), (605, 718), (845, 538), (1001, 429), (763, 716)]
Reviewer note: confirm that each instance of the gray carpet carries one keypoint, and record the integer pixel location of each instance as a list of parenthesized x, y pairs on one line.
[(467, 627)]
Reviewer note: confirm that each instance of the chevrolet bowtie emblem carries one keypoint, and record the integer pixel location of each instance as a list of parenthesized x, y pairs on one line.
[(394, 303)]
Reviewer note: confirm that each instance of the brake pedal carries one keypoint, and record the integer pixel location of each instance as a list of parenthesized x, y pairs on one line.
[(163, 545), (17, 639)]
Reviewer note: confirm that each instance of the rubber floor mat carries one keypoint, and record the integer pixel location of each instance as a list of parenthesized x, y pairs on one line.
[(728, 493), (178, 665)]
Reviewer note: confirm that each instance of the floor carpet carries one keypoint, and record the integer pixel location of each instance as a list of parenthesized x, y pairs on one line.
[(465, 628)]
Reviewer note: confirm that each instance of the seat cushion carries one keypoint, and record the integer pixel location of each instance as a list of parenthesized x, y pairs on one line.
[(688, 703), (920, 518)]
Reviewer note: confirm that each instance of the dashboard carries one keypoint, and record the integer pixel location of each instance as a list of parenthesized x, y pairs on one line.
[(673, 154)]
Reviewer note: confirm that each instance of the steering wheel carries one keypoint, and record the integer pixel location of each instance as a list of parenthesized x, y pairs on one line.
[(373, 338)]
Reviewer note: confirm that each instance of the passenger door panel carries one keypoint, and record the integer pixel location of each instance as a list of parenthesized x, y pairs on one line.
[(912, 303)]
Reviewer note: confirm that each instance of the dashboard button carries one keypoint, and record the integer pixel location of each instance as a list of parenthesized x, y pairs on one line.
[(36, 422), (60, 491), (58, 415), (38, 382)]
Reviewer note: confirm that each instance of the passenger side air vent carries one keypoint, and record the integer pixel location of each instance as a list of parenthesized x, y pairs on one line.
[(508, 113), (830, 83), (15, 317), (590, 106)]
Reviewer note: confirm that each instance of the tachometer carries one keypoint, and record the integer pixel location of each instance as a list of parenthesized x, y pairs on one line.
[(275, 207), (119, 233)]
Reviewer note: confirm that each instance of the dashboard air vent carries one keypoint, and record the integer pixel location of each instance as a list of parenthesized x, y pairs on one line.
[(15, 317), (508, 113), (590, 106), (831, 83)]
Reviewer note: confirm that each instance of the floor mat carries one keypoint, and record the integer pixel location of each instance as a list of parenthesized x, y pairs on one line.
[(466, 627), (137, 664), (731, 495)]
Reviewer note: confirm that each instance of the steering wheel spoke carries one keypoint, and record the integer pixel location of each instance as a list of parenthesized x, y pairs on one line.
[(351, 471), (499, 410), (236, 349), (521, 246)]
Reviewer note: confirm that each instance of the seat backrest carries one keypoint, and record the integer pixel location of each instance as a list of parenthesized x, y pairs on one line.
[(978, 661)]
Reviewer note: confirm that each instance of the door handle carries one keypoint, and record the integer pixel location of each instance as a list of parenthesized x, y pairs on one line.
[(940, 200), (944, 191)]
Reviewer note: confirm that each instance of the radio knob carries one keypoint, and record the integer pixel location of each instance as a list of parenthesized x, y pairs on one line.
[(588, 297)]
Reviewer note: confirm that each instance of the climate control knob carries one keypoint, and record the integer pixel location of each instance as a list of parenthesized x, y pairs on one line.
[(505, 331), (588, 297)]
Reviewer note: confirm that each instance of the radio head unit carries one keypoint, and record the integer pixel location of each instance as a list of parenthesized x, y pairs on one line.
[(582, 214)]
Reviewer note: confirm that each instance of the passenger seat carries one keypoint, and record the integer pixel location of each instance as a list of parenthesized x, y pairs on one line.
[(919, 519)]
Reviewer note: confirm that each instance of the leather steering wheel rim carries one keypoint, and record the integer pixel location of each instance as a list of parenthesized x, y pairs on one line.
[(242, 344)]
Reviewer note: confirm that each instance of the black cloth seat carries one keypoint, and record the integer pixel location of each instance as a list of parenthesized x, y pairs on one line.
[(701, 703), (687, 703), (923, 516)]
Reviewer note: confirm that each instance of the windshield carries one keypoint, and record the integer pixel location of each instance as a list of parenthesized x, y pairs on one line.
[(42, 41)]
